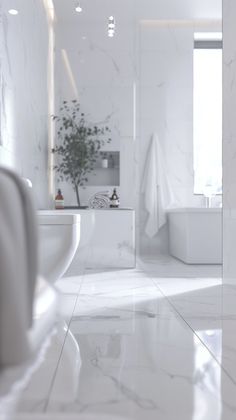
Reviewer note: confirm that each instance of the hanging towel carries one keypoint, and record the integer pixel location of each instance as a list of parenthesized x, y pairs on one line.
[(18, 268), (156, 188)]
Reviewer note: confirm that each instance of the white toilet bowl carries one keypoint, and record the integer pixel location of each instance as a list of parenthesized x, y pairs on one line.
[(59, 236)]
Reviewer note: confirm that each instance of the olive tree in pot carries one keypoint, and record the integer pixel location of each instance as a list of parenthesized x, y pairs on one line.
[(79, 145)]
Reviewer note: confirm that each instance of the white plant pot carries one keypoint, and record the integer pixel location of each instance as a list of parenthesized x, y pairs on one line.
[(104, 163)]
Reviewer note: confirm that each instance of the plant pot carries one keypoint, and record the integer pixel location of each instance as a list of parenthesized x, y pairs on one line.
[(104, 163)]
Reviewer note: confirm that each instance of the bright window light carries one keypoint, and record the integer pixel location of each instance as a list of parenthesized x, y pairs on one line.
[(208, 36), (207, 121)]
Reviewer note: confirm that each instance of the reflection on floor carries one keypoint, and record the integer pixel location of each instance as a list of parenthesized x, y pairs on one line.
[(153, 343)]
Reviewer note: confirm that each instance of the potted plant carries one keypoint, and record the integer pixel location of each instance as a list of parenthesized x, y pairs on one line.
[(79, 145)]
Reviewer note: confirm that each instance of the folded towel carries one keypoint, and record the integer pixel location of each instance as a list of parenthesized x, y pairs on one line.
[(100, 200), (156, 188), (18, 262)]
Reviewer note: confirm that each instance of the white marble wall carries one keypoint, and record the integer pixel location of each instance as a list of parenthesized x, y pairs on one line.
[(24, 98), (141, 81), (229, 141), (101, 73), (166, 107), (166, 98)]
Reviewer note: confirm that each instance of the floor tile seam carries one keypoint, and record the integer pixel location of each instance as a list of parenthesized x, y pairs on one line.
[(194, 332), (61, 352)]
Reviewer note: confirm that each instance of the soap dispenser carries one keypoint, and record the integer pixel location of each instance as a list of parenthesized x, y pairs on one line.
[(114, 200), (59, 201)]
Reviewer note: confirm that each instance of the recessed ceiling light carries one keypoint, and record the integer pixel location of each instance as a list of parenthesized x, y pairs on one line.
[(78, 7), (111, 26), (84, 37), (13, 12)]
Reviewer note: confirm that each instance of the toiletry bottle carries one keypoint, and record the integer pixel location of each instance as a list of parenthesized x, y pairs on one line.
[(59, 200), (111, 162), (114, 200)]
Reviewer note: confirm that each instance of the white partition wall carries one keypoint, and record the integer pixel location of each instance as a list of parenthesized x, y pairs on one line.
[(229, 141), (24, 92)]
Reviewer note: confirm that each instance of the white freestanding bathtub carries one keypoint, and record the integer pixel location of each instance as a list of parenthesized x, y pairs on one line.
[(195, 235)]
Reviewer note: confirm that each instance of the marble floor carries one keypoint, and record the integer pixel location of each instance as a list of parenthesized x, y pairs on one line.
[(155, 343)]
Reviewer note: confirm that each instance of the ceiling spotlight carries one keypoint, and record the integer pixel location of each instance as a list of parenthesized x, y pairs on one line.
[(78, 8), (13, 12), (111, 26)]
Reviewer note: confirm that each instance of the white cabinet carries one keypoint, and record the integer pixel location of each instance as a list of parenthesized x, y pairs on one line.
[(107, 240)]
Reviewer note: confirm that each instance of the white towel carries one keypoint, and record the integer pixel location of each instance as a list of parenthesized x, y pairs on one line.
[(156, 188), (18, 267), (100, 200)]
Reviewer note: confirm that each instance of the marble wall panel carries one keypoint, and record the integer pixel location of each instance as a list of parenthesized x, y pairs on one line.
[(101, 73), (166, 108), (229, 140), (24, 97), (141, 81)]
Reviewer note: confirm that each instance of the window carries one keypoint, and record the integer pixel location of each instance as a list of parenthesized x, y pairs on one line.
[(207, 114)]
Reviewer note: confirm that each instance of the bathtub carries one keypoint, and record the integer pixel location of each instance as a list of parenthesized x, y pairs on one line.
[(195, 235)]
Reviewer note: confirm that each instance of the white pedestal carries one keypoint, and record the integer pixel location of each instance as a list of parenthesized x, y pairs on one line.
[(107, 240)]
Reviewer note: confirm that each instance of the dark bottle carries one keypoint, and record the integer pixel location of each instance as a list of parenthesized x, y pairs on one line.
[(111, 162), (114, 200)]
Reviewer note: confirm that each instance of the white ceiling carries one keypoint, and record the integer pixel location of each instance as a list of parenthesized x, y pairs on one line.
[(130, 10)]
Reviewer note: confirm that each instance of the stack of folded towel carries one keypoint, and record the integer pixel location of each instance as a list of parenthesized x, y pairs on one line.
[(100, 200)]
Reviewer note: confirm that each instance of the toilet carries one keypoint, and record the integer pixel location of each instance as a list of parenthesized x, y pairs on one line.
[(59, 236)]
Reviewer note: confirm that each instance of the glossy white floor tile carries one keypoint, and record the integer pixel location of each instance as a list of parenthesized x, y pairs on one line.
[(140, 346), (210, 310), (35, 395), (167, 266), (70, 285), (34, 398)]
